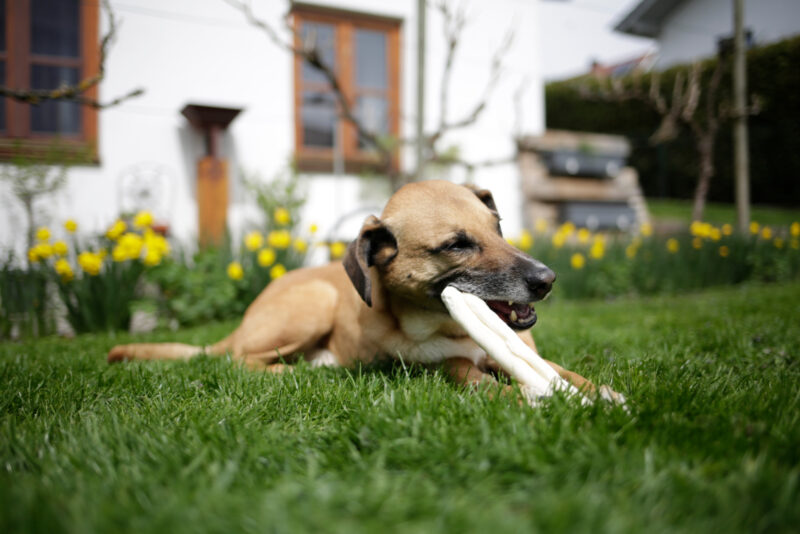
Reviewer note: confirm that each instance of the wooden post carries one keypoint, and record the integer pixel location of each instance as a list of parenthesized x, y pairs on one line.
[(212, 172), (212, 200), (741, 162)]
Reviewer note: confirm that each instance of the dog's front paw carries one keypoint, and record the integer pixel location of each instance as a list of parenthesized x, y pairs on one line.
[(609, 395), (118, 354)]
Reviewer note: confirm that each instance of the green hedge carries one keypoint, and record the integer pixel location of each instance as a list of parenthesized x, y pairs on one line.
[(669, 170)]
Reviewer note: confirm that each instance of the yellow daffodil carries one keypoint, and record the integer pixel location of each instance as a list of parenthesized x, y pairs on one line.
[(584, 235), (44, 250), (559, 238), (540, 226), (155, 243), (313, 228), (598, 248), (766, 233), (577, 261), (525, 240), (253, 240), (64, 270), (672, 245), (724, 251), (90, 262), (43, 233), (567, 228), (727, 229), (646, 229), (33, 257), (794, 229), (715, 234), (235, 271), (60, 248), (280, 239), (266, 257), (143, 219), (71, 226), (277, 271), (116, 230), (754, 227), (630, 251), (151, 258), (282, 216), (337, 250), (118, 254), (697, 243), (300, 245), (131, 245)]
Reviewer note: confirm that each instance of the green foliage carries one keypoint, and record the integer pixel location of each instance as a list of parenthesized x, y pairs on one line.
[(198, 290), (219, 283), (24, 309), (711, 444), (671, 169), (102, 302), (705, 256)]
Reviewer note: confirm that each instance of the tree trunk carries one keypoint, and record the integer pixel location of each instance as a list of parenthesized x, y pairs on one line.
[(705, 151)]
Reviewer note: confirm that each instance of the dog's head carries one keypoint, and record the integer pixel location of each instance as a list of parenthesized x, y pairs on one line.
[(433, 234)]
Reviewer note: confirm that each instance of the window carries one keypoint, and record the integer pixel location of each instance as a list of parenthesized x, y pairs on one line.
[(43, 45), (364, 51)]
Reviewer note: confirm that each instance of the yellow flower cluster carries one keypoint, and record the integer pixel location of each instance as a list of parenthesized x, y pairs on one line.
[(130, 245), (149, 246), (280, 239), (269, 248), (282, 216), (91, 262)]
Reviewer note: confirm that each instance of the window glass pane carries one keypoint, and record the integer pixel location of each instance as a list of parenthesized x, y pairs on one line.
[(323, 37), (55, 27), (319, 119), (371, 59), (60, 116), (3, 25), (373, 111), (2, 100)]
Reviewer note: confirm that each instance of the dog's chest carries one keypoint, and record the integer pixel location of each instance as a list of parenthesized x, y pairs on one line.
[(426, 337)]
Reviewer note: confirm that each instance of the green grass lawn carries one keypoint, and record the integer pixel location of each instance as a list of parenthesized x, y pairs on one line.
[(712, 443), (680, 211)]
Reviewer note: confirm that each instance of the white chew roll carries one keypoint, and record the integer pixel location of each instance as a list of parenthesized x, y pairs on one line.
[(502, 344)]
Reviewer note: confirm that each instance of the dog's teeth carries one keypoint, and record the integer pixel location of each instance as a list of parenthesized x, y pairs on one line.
[(513, 315)]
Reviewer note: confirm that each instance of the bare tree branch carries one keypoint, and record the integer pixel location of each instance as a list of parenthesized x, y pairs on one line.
[(306, 48), (453, 24), (75, 92)]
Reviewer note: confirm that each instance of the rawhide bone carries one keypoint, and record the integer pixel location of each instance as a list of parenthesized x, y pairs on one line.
[(536, 377)]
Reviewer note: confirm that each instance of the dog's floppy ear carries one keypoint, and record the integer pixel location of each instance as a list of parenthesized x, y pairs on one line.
[(484, 195), (375, 245)]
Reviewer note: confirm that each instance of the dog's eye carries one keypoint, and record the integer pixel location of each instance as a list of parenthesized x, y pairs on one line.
[(460, 244)]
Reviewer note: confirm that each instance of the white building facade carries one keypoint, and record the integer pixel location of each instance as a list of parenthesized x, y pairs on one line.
[(205, 52), (688, 30)]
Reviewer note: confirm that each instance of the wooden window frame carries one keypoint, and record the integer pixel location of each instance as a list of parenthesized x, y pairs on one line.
[(318, 159), (18, 139)]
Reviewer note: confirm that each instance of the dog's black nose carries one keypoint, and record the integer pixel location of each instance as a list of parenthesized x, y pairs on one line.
[(540, 282)]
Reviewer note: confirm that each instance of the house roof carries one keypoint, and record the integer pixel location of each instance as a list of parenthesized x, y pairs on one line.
[(646, 19)]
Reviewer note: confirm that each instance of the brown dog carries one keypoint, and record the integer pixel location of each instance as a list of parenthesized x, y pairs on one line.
[(383, 300)]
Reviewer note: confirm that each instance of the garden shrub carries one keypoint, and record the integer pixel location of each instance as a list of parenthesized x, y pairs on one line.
[(670, 170)]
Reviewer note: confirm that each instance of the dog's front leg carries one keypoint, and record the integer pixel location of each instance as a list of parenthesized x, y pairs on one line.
[(464, 371)]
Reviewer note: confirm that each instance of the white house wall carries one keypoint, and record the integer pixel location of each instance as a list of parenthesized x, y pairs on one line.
[(203, 52), (691, 31)]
